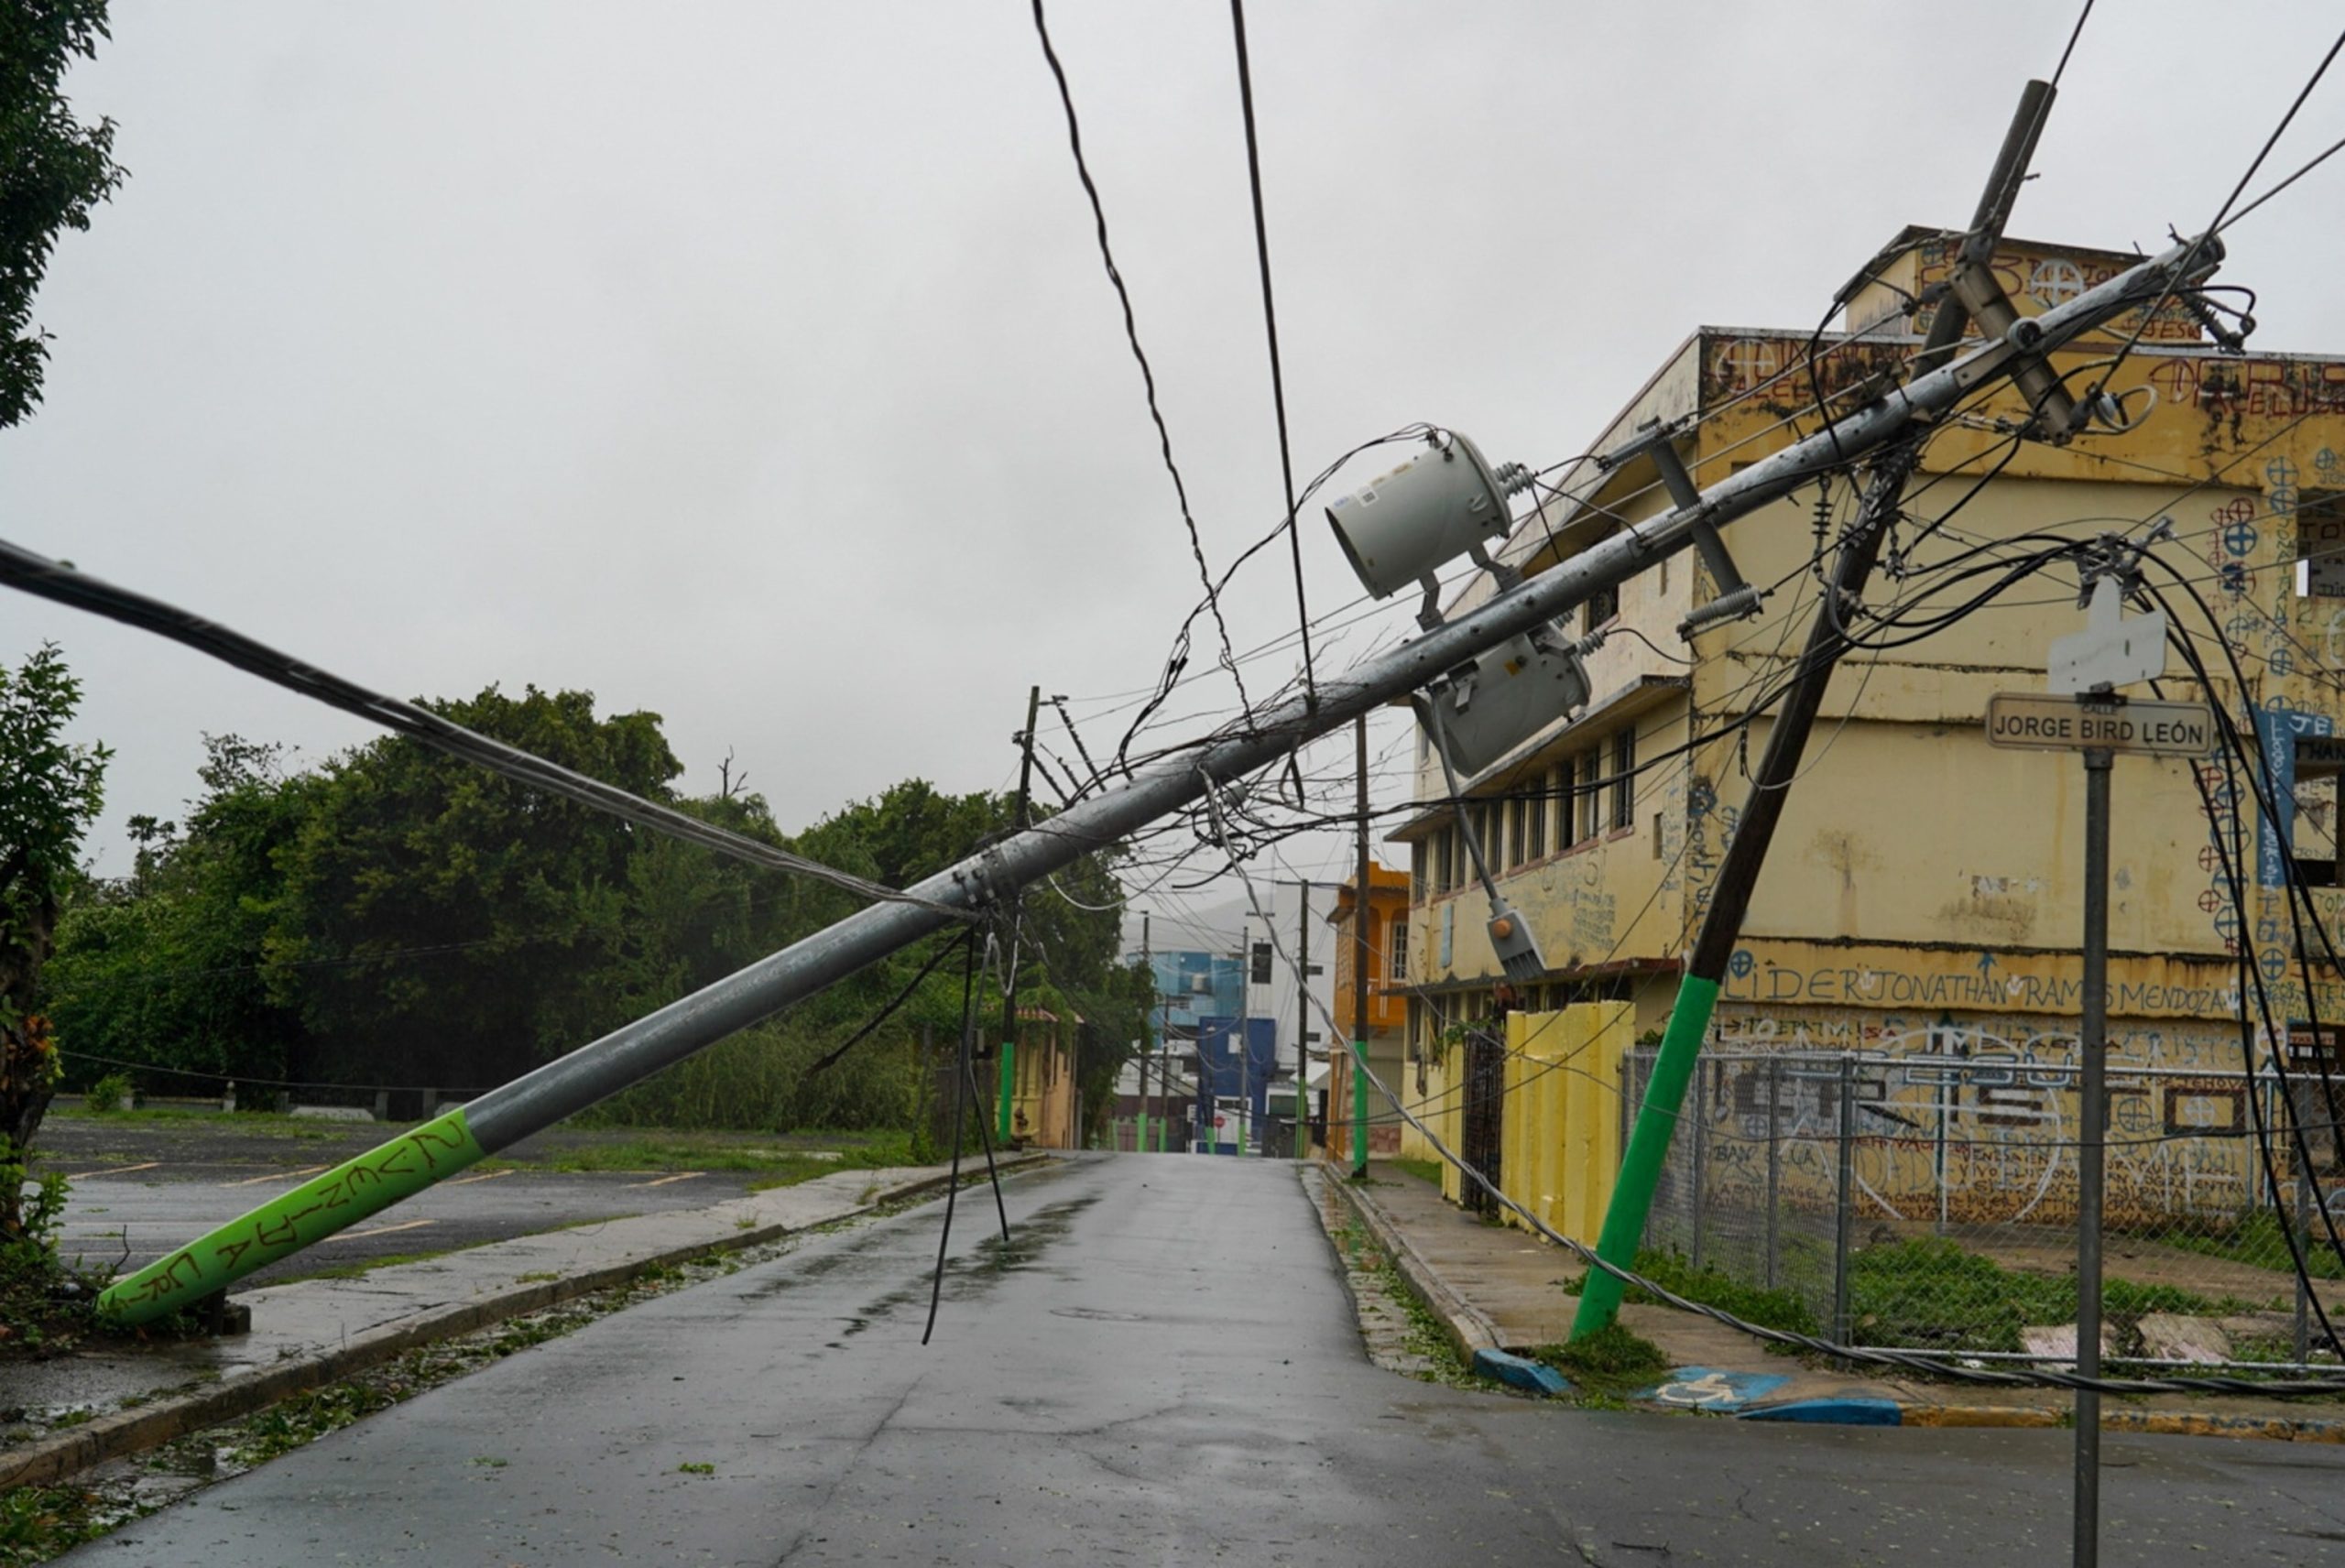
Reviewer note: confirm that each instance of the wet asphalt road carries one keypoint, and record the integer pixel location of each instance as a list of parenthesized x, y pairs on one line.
[(1162, 1369)]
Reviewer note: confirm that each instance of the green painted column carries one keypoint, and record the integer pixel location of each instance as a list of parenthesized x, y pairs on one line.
[(1360, 1107), (311, 1212), (1009, 1090), (1624, 1219)]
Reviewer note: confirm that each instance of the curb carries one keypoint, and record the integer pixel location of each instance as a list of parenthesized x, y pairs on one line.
[(51, 1459), (1469, 1330), (1473, 1333)]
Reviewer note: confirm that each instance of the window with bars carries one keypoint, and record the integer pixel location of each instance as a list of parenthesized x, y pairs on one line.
[(1591, 798), (1535, 815), (1624, 790)]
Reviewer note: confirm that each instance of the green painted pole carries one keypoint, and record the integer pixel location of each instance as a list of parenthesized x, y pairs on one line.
[(1697, 994), (1624, 1217), (1009, 1090), (1362, 948), (1705, 966), (311, 1212), (1360, 1107)]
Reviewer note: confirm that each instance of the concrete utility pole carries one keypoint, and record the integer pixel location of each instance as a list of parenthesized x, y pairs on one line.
[(1361, 948), (1009, 992), (1303, 1020), (1147, 962), (1706, 967), (982, 883)]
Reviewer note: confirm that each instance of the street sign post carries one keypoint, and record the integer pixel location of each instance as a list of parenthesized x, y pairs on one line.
[(2114, 649)]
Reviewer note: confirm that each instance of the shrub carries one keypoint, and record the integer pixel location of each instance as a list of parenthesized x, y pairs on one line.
[(110, 1094)]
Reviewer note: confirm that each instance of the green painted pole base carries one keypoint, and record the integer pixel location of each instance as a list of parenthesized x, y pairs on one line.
[(1360, 1107), (1624, 1217), (309, 1212), (1008, 1092), (1140, 1144)]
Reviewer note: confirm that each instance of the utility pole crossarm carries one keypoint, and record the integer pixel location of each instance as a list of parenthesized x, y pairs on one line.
[(986, 881)]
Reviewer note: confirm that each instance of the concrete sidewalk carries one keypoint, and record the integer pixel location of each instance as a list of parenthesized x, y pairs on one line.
[(314, 1331), (1499, 1288)]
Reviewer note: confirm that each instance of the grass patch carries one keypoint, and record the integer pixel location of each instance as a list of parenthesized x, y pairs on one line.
[(693, 1467), (1426, 1170), (785, 1163), (2259, 1242), (1607, 1367), (38, 1523), (264, 1123), (1779, 1308), (1930, 1294)]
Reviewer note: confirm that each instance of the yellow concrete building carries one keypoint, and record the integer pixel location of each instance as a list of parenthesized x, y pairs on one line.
[(1923, 896)]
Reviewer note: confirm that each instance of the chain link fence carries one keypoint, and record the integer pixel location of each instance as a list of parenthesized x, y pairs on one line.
[(1929, 1201)]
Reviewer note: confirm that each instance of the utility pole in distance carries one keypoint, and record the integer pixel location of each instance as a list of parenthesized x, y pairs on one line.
[(1360, 950), (1147, 962), (1303, 1020), (1010, 991)]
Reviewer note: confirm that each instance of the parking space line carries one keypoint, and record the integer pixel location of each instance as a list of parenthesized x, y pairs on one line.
[(278, 1176), (385, 1229), (484, 1176), (115, 1171), (679, 1176)]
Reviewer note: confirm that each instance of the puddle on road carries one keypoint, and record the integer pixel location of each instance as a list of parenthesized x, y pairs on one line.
[(973, 1274)]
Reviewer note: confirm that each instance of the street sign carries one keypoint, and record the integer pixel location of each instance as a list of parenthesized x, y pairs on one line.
[(2046, 721), (2114, 648)]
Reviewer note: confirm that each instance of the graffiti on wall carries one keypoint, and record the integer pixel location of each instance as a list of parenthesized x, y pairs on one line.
[(1973, 1120)]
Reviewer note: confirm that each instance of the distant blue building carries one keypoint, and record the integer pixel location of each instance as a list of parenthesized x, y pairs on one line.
[(1192, 987), (1239, 1058)]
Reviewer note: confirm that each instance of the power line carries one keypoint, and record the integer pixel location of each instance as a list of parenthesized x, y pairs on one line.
[(2215, 227), (2075, 33), (1139, 356), (58, 582), (1271, 330)]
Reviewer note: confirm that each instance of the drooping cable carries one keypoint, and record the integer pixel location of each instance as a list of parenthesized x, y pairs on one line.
[(961, 1080), (831, 1059), (45, 579)]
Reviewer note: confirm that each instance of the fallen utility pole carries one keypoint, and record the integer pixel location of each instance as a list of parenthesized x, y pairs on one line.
[(983, 883), (1746, 853)]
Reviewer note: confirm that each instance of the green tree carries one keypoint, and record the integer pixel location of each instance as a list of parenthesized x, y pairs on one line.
[(51, 790), (168, 967), (443, 925), (53, 170)]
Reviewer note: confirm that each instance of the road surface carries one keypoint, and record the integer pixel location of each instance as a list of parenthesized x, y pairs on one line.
[(1162, 1369)]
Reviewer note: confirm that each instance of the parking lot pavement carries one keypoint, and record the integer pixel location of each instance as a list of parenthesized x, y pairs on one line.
[(142, 1186)]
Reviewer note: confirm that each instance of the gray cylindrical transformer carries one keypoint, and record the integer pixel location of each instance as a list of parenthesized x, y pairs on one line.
[(1419, 517), (1517, 689)]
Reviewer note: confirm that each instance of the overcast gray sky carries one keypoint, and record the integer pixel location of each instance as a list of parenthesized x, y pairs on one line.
[(753, 363)]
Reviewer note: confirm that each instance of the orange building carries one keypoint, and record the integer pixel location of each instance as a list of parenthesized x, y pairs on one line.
[(1045, 1110), (1387, 956)]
